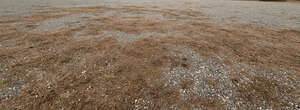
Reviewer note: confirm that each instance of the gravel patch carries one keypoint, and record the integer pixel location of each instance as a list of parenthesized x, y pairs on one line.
[(125, 37), (11, 91), (199, 71), (214, 80), (281, 15), (64, 23), (82, 36), (277, 15), (144, 14)]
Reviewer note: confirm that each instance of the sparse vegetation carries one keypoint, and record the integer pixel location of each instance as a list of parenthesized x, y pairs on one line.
[(120, 58)]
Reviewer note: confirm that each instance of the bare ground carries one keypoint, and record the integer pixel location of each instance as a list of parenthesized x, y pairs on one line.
[(120, 58)]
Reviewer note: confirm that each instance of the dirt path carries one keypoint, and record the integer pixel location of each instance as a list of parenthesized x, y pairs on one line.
[(144, 55)]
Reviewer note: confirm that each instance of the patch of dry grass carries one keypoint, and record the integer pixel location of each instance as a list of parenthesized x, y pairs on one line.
[(61, 72)]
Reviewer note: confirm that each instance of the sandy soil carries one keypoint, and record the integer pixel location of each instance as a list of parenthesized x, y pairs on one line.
[(144, 57)]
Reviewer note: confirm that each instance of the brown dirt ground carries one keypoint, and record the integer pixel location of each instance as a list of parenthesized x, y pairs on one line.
[(61, 72)]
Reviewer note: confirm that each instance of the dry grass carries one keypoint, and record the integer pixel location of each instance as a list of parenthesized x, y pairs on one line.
[(101, 73)]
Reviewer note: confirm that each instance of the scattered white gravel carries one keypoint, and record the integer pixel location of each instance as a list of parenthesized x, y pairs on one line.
[(200, 69), (11, 91)]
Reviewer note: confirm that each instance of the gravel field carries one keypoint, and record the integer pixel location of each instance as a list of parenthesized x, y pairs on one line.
[(282, 15), (149, 54)]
